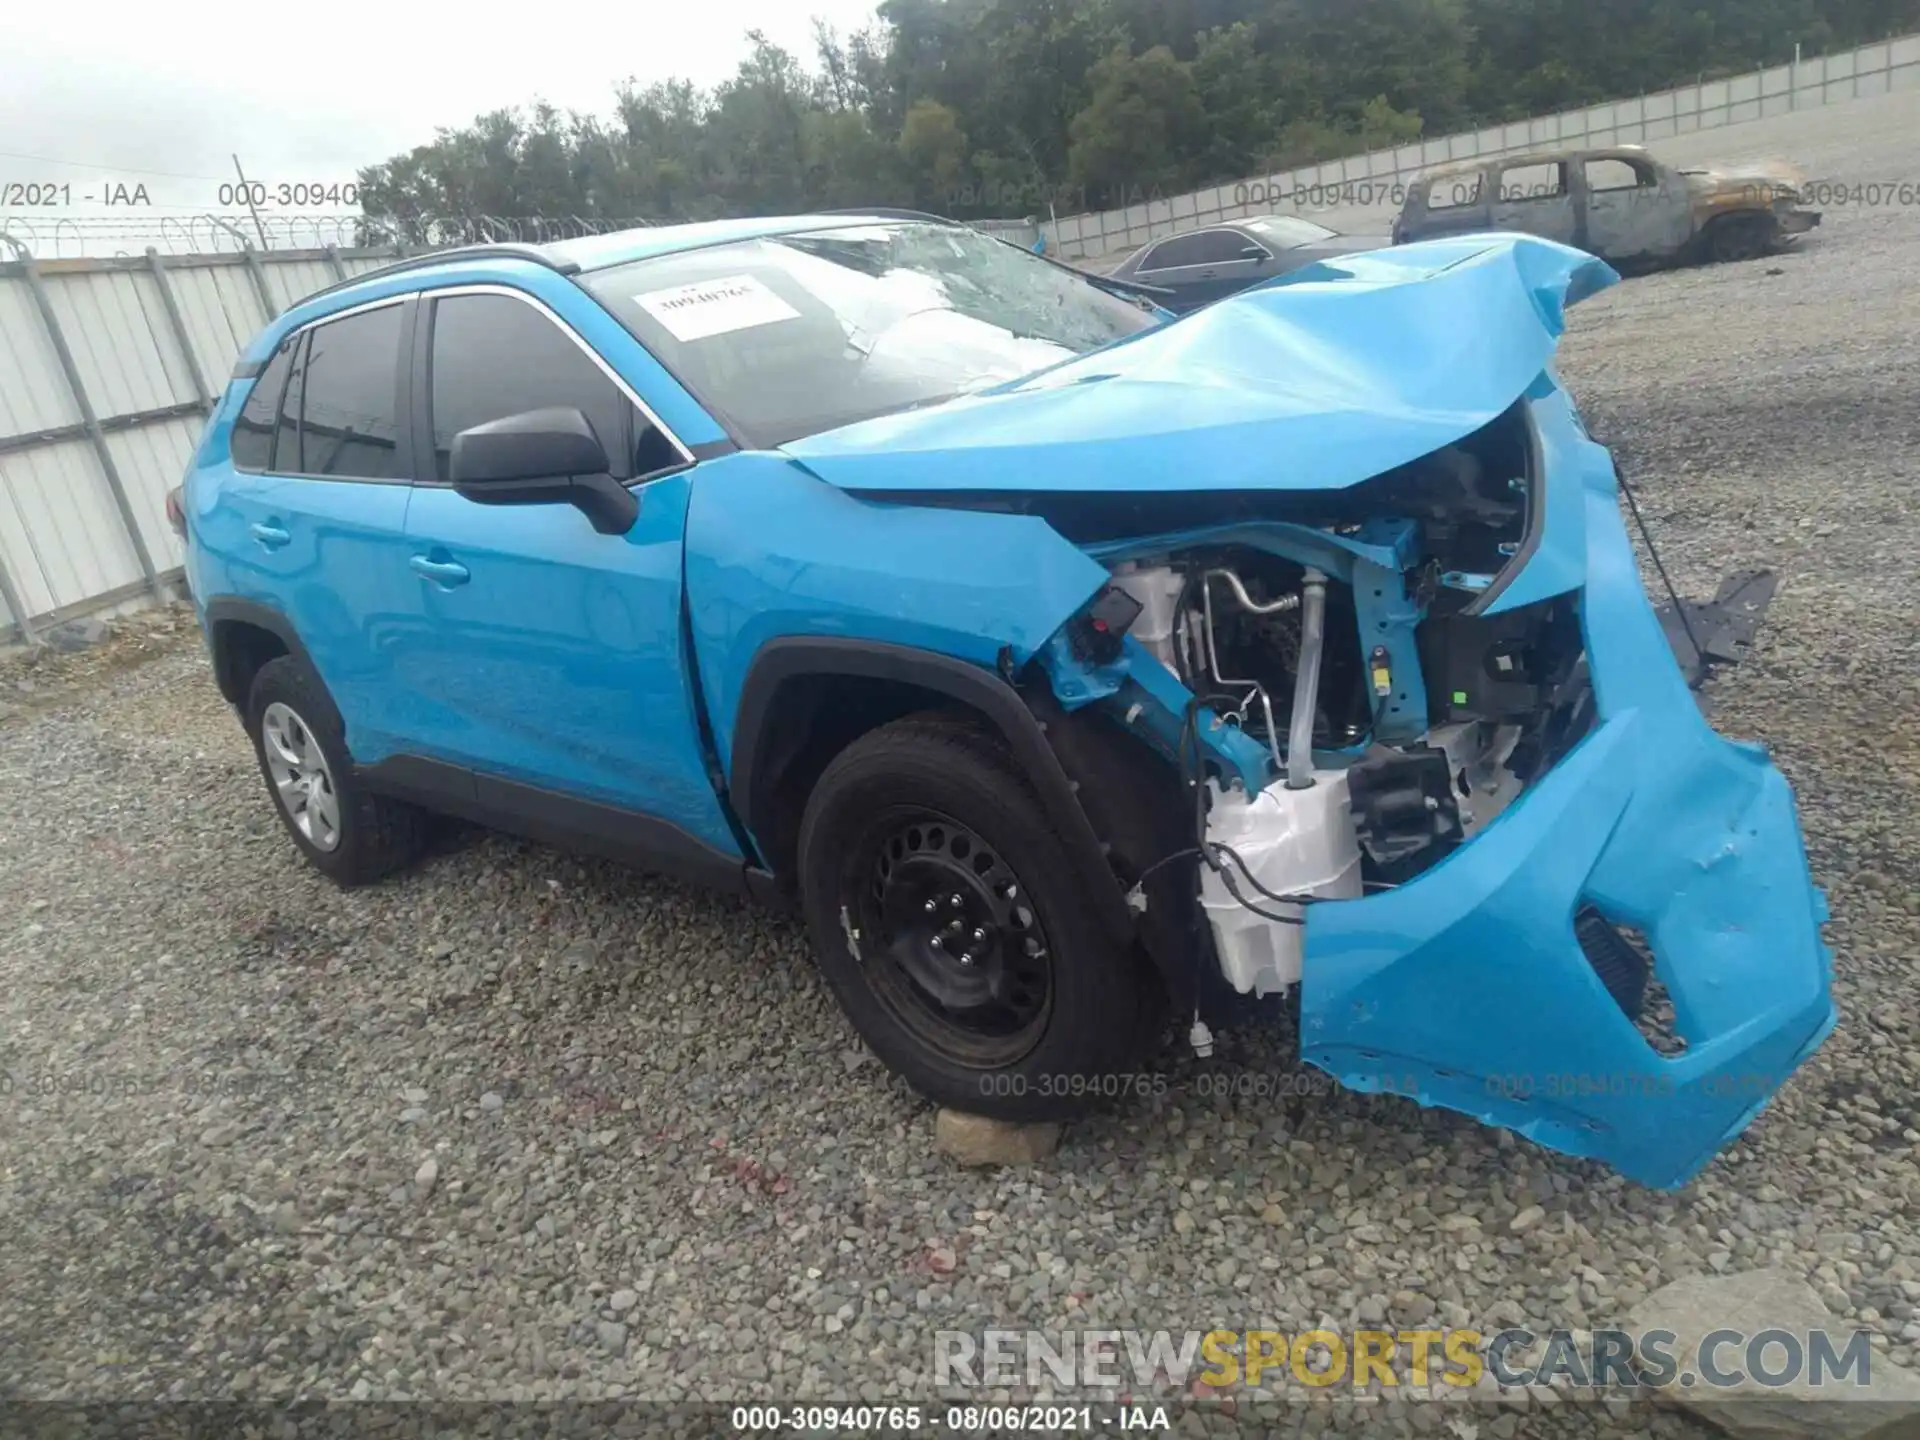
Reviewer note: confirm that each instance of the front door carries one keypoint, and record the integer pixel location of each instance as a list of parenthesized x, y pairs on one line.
[(1630, 213), (545, 653)]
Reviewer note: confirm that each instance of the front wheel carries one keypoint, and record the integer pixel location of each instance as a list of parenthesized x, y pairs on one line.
[(1741, 237), (958, 937)]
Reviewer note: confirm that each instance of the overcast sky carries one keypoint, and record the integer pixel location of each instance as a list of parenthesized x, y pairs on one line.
[(163, 95)]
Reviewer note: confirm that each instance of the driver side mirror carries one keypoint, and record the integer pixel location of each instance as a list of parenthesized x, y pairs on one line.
[(1254, 252), (542, 457)]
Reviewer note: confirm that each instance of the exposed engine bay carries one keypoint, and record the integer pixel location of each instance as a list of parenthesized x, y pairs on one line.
[(1399, 719)]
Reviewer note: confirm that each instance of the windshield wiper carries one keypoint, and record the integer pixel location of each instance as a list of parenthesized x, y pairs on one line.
[(1112, 286), (1125, 289), (1122, 288)]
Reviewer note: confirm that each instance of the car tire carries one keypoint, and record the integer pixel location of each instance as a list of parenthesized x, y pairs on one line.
[(926, 831), (1740, 237), (346, 832)]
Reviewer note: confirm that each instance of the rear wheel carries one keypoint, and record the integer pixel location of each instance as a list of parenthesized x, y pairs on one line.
[(955, 933), (345, 830)]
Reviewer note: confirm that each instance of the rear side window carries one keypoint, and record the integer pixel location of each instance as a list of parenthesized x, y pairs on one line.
[(252, 442), (1209, 247), (495, 356), (340, 416), (1534, 182)]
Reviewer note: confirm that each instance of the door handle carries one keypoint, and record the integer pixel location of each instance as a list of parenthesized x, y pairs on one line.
[(271, 537), (444, 573)]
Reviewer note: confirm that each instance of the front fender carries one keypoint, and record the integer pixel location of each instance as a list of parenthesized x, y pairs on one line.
[(788, 577), (773, 552)]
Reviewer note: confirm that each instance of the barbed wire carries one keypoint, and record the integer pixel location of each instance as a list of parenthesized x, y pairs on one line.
[(71, 237), (54, 237)]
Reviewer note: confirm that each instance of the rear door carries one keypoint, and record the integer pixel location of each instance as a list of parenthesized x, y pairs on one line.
[(545, 653), (1535, 198), (310, 507)]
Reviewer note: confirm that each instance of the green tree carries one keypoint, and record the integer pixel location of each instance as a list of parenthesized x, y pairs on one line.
[(1235, 81), (934, 148), (1140, 132)]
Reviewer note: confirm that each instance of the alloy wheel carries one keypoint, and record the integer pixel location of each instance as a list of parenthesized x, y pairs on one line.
[(302, 780)]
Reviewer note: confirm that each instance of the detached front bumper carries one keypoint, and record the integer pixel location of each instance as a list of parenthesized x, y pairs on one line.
[(1467, 988)]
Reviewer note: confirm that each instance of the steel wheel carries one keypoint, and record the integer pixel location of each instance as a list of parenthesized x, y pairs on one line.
[(301, 780), (955, 949)]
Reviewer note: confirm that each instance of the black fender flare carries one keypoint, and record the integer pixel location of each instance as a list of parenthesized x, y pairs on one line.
[(981, 690), (233, 609)]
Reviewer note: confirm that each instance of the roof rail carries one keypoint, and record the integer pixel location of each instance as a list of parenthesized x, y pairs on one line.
[(502, 250), (889, 212)]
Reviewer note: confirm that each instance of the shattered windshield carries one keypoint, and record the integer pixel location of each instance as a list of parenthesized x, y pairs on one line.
[(793, 334)]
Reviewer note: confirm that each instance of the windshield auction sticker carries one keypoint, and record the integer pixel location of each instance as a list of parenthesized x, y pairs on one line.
[(715, 307)]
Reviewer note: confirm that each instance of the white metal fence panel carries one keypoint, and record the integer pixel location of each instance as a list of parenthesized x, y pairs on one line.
[(60, 534), (218, 306), (107, 368), (122, 363), (32, 396)]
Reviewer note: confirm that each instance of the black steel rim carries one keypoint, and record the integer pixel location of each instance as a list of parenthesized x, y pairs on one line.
[(949, 939)]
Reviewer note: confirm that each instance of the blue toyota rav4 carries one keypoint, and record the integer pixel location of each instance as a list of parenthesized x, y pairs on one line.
[(1067, 665)]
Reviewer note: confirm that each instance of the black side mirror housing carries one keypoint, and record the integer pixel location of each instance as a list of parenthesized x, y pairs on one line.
[(1254, 252), (542, 457)]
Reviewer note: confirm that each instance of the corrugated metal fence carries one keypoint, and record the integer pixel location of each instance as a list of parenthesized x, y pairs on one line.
[(107, 368), (1370, 179)]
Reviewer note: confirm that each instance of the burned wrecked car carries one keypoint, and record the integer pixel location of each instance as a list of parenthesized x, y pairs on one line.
[(1070, 668), (1620, 204)]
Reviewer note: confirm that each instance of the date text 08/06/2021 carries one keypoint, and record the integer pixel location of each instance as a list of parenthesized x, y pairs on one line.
[(956, 1419)]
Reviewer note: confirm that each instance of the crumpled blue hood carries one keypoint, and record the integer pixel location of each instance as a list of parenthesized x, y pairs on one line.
[(1314, 381)]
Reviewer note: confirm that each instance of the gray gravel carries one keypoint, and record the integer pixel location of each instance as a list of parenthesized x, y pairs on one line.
[(519, 1126)]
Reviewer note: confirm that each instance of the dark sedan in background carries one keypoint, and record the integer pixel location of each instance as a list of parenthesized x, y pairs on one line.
[(1203, 265)]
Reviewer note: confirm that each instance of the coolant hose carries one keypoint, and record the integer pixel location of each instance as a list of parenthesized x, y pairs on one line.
[(1306, 681)]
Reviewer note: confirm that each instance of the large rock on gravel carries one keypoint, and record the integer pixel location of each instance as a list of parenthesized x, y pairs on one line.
[(77, 635), (976, 1140), (1887, 1408)]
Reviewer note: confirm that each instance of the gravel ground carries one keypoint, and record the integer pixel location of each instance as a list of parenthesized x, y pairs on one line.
[(520, 1126)]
